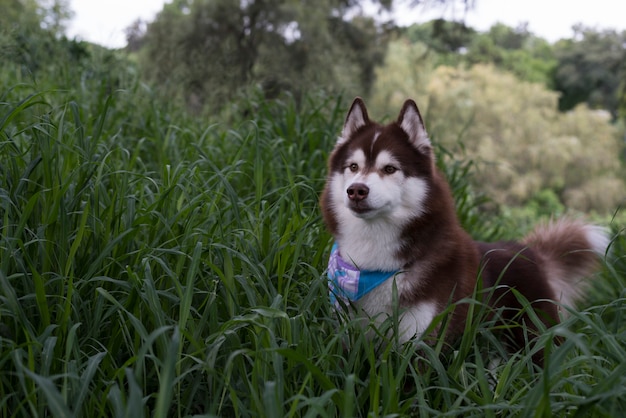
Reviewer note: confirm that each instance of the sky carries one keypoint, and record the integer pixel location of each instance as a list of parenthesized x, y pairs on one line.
[(103, 22)]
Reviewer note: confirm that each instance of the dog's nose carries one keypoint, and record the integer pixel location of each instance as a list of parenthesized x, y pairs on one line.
[(358, 192)]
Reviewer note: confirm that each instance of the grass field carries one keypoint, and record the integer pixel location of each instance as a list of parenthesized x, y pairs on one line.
[(153, 264)]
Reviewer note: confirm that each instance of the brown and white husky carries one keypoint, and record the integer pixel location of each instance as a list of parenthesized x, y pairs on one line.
[(393, 219)]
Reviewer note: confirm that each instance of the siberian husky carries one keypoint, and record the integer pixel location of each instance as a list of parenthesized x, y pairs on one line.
[(393, 219)]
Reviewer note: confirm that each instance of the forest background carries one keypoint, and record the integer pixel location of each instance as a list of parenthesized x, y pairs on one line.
[(543, 123)]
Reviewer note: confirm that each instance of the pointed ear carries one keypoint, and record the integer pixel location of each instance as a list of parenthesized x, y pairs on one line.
[(357, 117), (411, 122)]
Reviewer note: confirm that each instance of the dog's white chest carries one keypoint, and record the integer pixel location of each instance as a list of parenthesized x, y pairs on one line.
[(379, 305)]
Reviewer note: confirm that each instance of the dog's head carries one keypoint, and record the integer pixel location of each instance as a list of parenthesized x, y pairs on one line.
[(378, 172)]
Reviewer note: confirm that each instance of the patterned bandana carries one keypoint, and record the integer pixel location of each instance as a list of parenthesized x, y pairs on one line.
[(347, 282)]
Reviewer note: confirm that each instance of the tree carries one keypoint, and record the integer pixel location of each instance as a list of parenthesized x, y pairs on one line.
[(206, 51), (525, 151), (32, 15), (591, 68), (514, 49), (406, 72), (54, 15), (521, 142), (31, 34), (443, 36), (135, 35), (17, 13)]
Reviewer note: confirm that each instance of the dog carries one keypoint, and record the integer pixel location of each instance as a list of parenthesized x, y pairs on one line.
[(399, 246)]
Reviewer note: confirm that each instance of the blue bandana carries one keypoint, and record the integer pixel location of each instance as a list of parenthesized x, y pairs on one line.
[(347, 282)]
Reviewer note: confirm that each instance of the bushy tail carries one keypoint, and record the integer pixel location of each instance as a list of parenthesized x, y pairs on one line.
[(570, 251)]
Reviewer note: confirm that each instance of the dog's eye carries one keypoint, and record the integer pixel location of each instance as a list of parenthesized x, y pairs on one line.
[(353, 167), (389, 169)]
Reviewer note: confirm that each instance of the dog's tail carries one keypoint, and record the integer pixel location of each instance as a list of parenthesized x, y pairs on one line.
[(570, 252)]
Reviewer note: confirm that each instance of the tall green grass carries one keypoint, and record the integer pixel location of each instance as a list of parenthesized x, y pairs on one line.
[(154, 264)]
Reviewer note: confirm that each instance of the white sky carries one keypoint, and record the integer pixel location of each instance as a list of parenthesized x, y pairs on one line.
[(104, 22)]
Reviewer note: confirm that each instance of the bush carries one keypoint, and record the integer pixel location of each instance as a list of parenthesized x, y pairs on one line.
[(512, 130)]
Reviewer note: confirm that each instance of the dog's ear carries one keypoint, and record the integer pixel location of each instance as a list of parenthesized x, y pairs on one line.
[(357, 117), (411, 122)]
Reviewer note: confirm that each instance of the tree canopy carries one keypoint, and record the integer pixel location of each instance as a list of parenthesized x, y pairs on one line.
[(522, 145), (32, 34), (502, 92), (207, 51), (532, 115), (592, 68)]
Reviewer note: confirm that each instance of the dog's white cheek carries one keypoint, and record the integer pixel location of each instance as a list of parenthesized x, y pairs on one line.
[(337, 187), (413, 197)]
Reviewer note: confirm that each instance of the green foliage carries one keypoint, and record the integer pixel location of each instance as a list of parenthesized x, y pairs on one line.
[(441, 35), (523, 147), (18, 13), (406, 71), (591, 69), (528, 57), (515, 50), (35, 15), (155, 265), (32, 45), (127, 251), (205, 52)]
